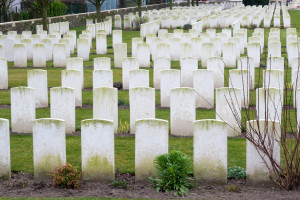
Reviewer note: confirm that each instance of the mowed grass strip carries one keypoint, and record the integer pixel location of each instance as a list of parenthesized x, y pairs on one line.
[(22, 151)]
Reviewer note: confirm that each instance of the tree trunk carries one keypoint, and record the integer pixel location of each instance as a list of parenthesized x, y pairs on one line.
[(98, 9), (4, 12), (171, 4), (197, 2), (140, 8), (188, 3), (193, 2), (44, 17)]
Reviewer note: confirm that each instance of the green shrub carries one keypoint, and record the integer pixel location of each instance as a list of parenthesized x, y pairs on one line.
[(118, 85), (121, 102), (236, 172), (56, 8), (24, 15), (172, 171), (67, 176)]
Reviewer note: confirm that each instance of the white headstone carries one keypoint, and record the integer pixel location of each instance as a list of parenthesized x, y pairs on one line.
[(269, 104), (83, 49), (62, 106), (203, 84), (76, 63), (151, 140), (142, 105), (183, 111), (128, 64), (22, 109), (216, 65), (208, 51), (5, 172), (143, 54), (120, 52), (105, 104), (98, 150), (169, 79), (72, 79), (49, 147), (20, 59), (138, 78), (102, 63), (253, 51), (117, 37), (210, 151), (188, 65), (228, 108), (160, 63), (37, 79), (135, 42), (102, 78), (257, 172), (39, 55), (241, 79), (3, 74), (59, 55)]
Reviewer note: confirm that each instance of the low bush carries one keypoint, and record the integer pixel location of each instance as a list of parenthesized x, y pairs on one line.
[(172, 171), (124, 127), (118, 85), (236, 172), (187, 27), (67, 176)]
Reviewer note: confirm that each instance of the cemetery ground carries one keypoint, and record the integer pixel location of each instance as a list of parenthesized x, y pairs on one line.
[(22, 183)]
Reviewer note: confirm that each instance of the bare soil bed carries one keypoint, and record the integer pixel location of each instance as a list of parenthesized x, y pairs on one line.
[(24, 185)]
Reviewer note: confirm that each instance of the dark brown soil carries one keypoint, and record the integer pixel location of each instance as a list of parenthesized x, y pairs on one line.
[(23, 185)]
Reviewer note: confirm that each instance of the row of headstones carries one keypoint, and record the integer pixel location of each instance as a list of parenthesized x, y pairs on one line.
[(167, 45), (132, 76), (180, 16), (151, 140), (142, 105), (61, 27), (217, 18), (105, 26), (22, 48)]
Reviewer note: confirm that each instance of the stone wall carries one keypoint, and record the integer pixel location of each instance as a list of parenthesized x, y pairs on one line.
[(79, 19), (75, 19)]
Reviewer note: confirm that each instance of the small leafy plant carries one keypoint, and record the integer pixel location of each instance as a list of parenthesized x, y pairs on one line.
[(67, 176), (233, 188), (124, 127), (120, 184), (121, 102), (172, 171), (236, 172)]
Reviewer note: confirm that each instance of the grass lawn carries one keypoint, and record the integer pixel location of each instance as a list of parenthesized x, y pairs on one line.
[(21, 145), (22, 152)]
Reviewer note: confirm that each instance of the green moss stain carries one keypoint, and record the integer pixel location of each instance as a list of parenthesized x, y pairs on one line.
[(153, 122), (98, 168), (210, 171), (46, 165), (144, 169), (5, 173), (49, 122), (94, 122), (259, 178), (209, 124)]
